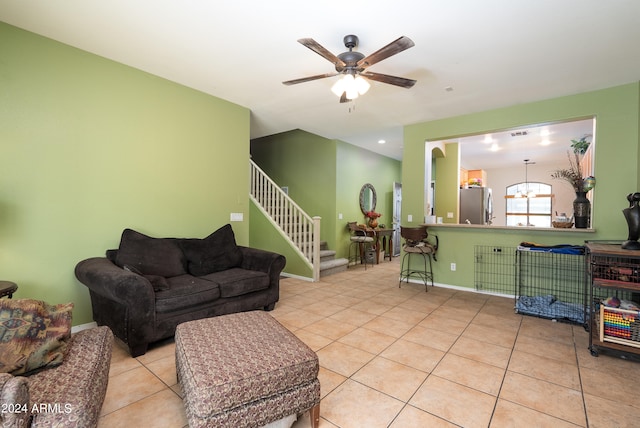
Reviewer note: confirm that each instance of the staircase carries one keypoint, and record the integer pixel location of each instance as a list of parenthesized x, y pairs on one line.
[(297, 227), (329, 265)]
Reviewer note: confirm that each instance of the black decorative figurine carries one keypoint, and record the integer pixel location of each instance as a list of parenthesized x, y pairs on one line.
[(632, 215)]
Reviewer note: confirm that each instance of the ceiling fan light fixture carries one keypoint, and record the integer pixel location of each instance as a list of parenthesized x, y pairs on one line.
[(361, 85), (350, 64), (338, 88), (352, 86)]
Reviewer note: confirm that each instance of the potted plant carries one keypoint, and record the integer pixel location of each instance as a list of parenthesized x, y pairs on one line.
[(373, 218), (572, 174), (580, 146), (581, 185)]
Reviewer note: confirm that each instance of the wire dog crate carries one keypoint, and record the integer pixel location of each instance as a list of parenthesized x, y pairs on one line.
[(495, 269), (552, 285), (545, 282)]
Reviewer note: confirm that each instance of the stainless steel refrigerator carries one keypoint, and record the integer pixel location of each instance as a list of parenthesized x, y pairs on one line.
[(476, 205)]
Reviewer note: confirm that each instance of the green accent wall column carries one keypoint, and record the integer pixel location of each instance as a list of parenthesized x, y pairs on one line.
[(413, 176), (447, 179)]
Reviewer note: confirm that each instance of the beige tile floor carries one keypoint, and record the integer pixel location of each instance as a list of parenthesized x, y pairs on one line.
[(400, 357)]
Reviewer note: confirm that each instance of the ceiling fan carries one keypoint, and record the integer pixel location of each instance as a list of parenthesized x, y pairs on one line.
[(353, 66)]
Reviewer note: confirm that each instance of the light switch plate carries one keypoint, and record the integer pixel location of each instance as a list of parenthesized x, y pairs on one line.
[(237, 216), (409, 217)]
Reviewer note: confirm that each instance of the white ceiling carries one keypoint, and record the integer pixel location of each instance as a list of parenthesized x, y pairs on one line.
[(493, 53)]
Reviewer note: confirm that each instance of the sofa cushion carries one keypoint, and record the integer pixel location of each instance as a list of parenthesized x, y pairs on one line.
[(157, 282), (236, 281), (33, 334), (186, 291), (150, 256), (215, 253)]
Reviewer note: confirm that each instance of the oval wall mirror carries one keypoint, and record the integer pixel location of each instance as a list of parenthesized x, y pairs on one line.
[(368, 198)]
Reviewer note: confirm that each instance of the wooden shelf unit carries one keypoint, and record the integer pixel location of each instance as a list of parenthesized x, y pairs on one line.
[(612, 271)]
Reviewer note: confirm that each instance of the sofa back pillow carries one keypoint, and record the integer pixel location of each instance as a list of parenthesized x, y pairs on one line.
[(215, 253), (150, 256), (33, 334)]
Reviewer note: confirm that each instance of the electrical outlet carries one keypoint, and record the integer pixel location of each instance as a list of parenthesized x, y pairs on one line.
[(339, 216), (449, 215), (409, 217), (453, 267)]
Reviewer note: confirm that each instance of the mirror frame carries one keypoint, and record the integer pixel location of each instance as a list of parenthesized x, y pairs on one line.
[(374, 198)]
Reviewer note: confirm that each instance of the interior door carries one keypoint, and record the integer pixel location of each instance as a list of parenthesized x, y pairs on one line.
[(397, 215)]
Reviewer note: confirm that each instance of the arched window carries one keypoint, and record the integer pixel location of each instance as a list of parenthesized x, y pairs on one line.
[(529, 204)]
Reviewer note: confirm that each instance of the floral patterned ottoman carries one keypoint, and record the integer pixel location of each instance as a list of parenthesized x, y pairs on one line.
[(245, 370)]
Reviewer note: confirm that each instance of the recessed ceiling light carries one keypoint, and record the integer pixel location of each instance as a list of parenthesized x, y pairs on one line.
[(381, 141)]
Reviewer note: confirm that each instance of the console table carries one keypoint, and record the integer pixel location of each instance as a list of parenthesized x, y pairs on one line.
[(383, 239)]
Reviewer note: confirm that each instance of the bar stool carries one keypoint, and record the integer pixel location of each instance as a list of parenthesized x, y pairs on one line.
[(362, 241), (415, 244), (7, 288)]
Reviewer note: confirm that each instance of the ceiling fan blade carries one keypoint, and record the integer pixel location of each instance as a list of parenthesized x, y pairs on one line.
[(392, 80), (308, 79), (322, 51), (392, 48)]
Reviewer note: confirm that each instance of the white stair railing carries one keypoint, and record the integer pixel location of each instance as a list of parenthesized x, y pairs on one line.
[(300, 229)]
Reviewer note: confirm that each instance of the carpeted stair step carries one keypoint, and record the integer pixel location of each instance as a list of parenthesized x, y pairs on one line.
[(327, 255), (331, 267)]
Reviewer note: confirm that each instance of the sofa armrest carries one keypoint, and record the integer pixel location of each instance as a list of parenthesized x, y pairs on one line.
[(262, 260), (79, 383), (112, 282), (14, 401), (122, 300)]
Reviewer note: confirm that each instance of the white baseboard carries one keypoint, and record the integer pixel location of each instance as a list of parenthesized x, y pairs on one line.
[(290, 275), (77, 328), (460, 288)]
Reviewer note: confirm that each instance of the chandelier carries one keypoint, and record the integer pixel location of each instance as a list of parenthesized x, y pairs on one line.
[(527, 193)]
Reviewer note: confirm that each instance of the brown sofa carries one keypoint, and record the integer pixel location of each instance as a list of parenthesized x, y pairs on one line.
[(68, 395), (143, 290)]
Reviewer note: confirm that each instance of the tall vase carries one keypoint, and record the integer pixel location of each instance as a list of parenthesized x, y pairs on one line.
[(582, 211)]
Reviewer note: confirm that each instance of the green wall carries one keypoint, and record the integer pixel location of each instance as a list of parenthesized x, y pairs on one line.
[(324, 177), (617, 159), (89, 147), (265, 236), (355, 167)]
